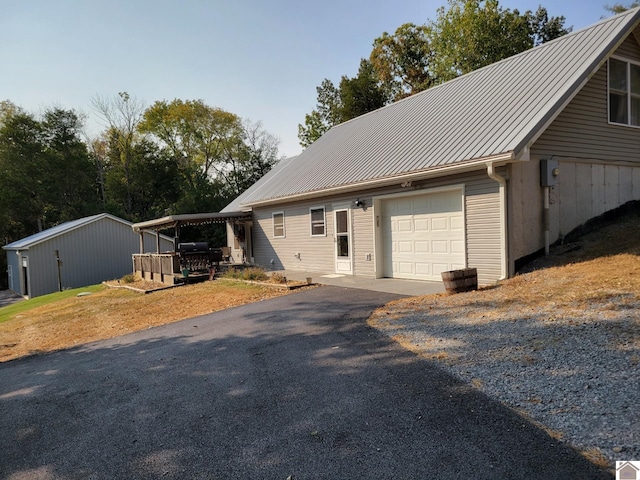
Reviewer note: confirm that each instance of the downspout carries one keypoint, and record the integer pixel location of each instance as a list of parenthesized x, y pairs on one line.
[(504, 268), (545, 220)]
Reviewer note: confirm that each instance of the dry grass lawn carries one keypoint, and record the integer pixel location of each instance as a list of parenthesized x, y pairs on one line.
[(111, 312)]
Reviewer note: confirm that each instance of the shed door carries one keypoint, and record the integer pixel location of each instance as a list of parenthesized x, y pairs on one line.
[(423, 235)]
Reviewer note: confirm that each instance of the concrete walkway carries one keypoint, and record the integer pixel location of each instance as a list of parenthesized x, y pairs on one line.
[(387, 285)]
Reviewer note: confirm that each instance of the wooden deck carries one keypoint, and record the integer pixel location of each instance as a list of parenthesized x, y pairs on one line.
[(174, 268)]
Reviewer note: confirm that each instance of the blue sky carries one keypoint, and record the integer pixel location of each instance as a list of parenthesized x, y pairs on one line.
[(258, 59)]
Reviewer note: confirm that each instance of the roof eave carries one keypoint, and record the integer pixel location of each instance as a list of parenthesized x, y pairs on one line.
[(458, 167)]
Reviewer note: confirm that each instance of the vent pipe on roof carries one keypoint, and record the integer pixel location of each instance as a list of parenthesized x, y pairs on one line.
[(504, 267)]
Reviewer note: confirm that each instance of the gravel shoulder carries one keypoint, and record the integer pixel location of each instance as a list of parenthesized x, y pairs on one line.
[(573, 371), (559, 343)]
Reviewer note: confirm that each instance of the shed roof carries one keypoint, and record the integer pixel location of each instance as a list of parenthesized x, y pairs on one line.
[(52, 232), (495, 112), (49, 233)]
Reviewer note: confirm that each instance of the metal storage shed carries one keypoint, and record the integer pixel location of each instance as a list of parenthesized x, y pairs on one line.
[(90, 250)]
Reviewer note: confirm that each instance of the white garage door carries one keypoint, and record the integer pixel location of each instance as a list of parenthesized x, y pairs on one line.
[(423, 235)]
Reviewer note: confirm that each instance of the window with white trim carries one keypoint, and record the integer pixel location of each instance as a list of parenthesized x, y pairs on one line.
[(624, 92), (317, 216), (278, 224)]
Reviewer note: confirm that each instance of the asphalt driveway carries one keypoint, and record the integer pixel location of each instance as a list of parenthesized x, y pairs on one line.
[(298, 386)]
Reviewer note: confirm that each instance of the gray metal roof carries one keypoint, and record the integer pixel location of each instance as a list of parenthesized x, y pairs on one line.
[(188, 219), (255, 190), (49, 233), (498, 110)]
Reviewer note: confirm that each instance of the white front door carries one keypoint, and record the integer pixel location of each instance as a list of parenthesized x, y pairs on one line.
[(342, 239)]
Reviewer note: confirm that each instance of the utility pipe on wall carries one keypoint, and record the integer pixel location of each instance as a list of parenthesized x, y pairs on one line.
[(503, 219), (545, 219)]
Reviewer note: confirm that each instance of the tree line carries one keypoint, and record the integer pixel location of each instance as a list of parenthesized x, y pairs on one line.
[(179, 156), (465, 36)]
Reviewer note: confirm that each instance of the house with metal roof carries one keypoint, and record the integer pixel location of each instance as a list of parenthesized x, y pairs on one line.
[(481, 171), (76, 254)]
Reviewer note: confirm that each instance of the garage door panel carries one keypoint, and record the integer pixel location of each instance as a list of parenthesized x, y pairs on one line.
[(438, 268), (421, 225), (440, 247), (423, 235), (405, 225), (457, 246), (457, 223), (423, 247), (439, 224), (405, 268), (405, 247), (423, 269)]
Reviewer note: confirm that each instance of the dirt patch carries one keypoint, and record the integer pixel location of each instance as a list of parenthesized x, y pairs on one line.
[(112, 312)]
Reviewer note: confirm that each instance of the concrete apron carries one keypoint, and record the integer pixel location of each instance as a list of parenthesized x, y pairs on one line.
[(388, 285)]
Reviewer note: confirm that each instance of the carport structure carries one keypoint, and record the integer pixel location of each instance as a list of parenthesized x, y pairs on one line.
[(169, 267)]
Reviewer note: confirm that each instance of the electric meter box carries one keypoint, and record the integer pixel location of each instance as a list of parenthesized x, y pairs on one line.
[(549, 171)]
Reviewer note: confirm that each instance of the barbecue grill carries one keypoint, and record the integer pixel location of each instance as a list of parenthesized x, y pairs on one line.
[(197, 257)]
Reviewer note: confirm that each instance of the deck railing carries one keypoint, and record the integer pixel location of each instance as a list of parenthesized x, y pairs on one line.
[(172, 267), (158, 267)]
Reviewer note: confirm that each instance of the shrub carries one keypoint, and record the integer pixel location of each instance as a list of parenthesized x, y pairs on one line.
[(253, 273), (278, 278), (128, 278)]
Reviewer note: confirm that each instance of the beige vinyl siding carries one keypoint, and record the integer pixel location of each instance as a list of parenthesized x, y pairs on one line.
[(582, 130), (482, 227), (630, 48), (316, 252), (599, 162), (363, 239), (482, 217)]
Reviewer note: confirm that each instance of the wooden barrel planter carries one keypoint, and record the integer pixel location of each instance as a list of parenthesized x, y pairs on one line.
[(458, 281)]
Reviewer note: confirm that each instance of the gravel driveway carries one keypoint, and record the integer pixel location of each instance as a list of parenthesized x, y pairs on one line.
[(574, 372), (294, 387)]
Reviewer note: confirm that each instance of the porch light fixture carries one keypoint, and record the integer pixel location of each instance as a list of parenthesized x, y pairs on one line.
[(359, 203)]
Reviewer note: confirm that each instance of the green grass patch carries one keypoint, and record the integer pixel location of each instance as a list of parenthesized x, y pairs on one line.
[(10, 311)]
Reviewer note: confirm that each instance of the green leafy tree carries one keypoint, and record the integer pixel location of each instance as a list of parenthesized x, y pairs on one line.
[(617, 8), (353, 97), (122, 115), (471, 34), (543, 28), (362, 93), (154, 185), (402, 61), (193, 132), (22, 170), (326, 114), (71, 182), (46, 175), (252, 155)]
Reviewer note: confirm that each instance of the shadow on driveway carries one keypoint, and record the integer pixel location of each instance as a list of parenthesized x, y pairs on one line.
[(294, 386)]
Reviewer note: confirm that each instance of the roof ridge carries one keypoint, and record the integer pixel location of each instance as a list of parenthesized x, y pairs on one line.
[(529, 51)]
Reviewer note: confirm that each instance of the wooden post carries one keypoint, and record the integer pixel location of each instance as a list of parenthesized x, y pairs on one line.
[(141, 241), (157, 241)]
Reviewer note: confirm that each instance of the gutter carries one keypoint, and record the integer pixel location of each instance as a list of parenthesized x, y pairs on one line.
[(460, 167), (504, 255)]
